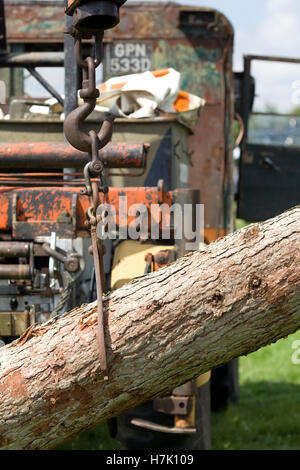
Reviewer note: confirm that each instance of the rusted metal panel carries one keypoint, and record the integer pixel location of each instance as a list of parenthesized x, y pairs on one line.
[(34, 21), (20, 323), (167, 157), (203, 41), (59, 155), (167, 20), (28, 213), (38, 211), (199, 46)]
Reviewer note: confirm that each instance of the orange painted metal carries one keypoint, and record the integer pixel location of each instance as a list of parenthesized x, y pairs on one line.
[(59, 155), (37, 211)]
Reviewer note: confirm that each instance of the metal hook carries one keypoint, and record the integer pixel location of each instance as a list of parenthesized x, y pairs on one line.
[(75, 134), (73, 129)]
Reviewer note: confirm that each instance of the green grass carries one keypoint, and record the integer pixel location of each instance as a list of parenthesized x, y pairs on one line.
[(240, 223), (267, 416)]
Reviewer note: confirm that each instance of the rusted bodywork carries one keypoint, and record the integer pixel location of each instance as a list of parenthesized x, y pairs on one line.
[(32, 22), (203, 41), (29, 213), (37, 205)]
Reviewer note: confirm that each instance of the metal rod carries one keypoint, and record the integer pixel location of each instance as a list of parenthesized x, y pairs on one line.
[(13, 249), (33, 59), (101, 336), (15, 271), (46, 85), (289, 115), (272, 59), (54, 156), (55, 254)]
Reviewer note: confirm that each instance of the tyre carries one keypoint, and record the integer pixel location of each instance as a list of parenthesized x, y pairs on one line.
[(131, 437)]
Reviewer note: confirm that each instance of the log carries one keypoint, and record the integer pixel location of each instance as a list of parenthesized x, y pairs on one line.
[(164, 329)]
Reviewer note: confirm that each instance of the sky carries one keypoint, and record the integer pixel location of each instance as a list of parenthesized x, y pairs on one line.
[(263, 27)]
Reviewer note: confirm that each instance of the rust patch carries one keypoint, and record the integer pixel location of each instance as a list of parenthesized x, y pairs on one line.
[(15, 385)]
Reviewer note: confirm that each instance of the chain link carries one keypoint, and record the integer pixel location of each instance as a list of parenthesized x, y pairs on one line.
[(92, 143)]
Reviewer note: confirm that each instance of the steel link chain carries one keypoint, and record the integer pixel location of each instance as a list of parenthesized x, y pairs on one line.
[(92, 143)]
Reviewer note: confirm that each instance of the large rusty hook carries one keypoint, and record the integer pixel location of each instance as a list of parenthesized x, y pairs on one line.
[(73, 130), (77, 137)]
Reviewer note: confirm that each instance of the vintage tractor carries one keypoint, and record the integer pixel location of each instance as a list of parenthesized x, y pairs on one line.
[(50, 190)]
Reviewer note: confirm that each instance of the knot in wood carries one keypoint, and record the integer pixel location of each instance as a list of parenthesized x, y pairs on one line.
[(255, 282), (217, 297)]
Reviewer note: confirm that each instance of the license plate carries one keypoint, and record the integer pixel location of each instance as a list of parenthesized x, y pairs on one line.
[(124, 58)]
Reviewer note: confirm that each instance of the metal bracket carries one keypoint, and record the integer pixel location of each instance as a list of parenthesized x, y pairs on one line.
[(141, 423), (181, 405), (177, 406), (64, 226)]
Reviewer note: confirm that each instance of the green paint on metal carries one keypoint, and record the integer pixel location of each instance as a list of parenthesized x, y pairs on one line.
[(196, 65), (46, 25)]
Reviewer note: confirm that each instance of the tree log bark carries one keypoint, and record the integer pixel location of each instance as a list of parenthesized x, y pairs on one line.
[(164, 329)]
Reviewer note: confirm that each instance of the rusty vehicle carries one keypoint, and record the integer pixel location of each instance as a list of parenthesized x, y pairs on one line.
[(50, 256)]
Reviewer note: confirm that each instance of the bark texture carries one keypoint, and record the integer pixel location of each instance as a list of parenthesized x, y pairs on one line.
[(239, 294)]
